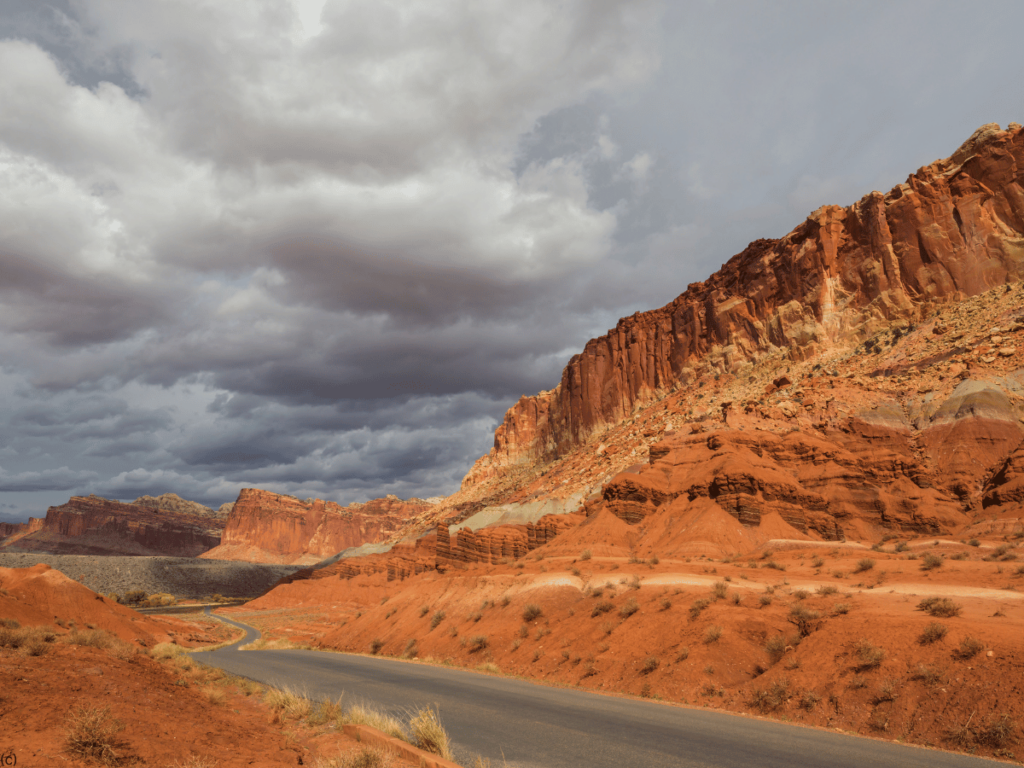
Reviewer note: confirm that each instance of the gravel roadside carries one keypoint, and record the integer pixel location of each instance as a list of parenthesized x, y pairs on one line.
[(183, 577)]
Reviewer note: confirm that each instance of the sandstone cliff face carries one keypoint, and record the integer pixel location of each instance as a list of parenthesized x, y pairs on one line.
[(954, 229), (269, 527), (92, 525)]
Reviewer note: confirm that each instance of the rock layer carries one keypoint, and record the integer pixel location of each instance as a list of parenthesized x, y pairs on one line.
[(273, 528), (954, 229)]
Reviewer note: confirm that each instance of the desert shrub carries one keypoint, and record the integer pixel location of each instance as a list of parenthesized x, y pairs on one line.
[(869, 656), (809, 700), (665, 603), (424, 610), (634, 582), (817, 562), (410, 648), (858, 681), (428, 734), (974, 543), (585, 554), (926, 674), (720, 589), (801, 594), (683, 654), (650, 664), (804, 618), (134, 596), (774, 565), (930, 562), (531, 612), (477, 643), (712, 634), (775, 648), (998, 731), (958, 556), (841, 608), (764, 600), (654, 560), (475, 616), (969, 648), (91, 734), (932, 633), (901, 546), (940, 606), (772, 697), (601, 607), (698, 606), (628, 608), (866, 564), (436, 619), (10, 623), (827, 589), (375, 645), (735, 597)]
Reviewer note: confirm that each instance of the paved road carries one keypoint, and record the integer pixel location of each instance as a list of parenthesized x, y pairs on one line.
[(533, 725)]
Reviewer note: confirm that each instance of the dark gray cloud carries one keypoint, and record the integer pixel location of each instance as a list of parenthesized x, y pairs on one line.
[(320, 247)]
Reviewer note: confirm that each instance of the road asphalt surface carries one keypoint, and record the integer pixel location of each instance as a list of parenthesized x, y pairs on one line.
[(526, 725)]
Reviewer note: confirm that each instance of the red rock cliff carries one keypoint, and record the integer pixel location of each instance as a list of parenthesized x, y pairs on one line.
[(270, 527), (92, 525), (953, 230)]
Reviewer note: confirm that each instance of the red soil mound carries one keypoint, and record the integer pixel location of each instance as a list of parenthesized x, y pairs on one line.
[(41, 595)]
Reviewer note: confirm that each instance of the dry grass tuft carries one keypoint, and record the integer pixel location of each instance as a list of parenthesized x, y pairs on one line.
[(628, 608), (772, 697), (365, 715), (428, 733), (869, 656), (933, 633), (367, 757), (91, 734)]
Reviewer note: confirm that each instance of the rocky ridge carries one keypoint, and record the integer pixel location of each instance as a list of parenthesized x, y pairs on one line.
[(174, 503), (97, 526), (858, 376)]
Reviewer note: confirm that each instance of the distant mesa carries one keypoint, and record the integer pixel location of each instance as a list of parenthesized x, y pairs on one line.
[(90, 525)]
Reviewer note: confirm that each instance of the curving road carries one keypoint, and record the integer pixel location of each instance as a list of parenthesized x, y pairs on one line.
[(530, 725)]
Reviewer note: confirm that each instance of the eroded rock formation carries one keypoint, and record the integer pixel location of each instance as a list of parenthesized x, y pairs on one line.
[(93, 525), (954, 229), (273, 528)]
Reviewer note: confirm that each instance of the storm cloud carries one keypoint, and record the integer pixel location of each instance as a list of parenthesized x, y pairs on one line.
[(321, 247)]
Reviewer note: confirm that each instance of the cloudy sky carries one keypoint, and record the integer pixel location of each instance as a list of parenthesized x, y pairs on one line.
[(321, 247)]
